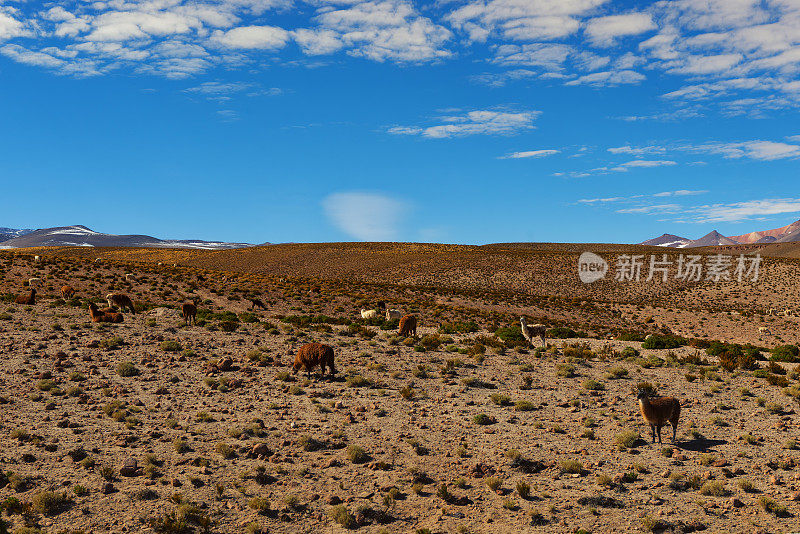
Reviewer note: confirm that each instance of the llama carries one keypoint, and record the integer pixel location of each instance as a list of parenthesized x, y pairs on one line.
[(658, 411), (37, 259), (764, 330), (67, 292), (30, 300), (121, 301), (129, 277), (408, 326), (103, 316), (34, 282), (369, 314), (530, 332), (312, 354), (256, 302), (189, 312), (393, 314)]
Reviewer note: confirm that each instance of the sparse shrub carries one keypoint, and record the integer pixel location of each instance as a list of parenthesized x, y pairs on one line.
[(626, 439), (570, 466), (50, 503), (260, 505), (127, 369), (483, 419), (341, 515), (771, 506), (356, 454), (785, 353), (566, 370), (593, 385), (493, 483), (524, 406), (171, 346), (713, 488)]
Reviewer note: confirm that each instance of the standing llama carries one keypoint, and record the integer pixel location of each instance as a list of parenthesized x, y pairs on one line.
[(530, 332)]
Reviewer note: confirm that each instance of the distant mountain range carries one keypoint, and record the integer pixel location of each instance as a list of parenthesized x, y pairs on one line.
[(81, 236), (785, 234), (10, 233)]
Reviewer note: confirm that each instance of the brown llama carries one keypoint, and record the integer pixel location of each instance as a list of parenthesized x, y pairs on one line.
[(408, 326), (256, 302), (30, 300), (189, 312), (67, 292), (312, 354), (658, 411), (103, 316)]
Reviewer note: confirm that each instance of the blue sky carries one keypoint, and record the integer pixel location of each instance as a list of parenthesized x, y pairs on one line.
[(458, 121)]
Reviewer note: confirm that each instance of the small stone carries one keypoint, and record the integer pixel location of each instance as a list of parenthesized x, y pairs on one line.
[(736, 503), (130, 468), (107, 488), (665, 473)]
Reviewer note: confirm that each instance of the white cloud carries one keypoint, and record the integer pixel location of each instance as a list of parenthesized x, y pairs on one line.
[(638, 151), (251, 37), (658, 208), (521, 19), (644, 163), (30, 57), (378, 30), (483, 122), (618, 77), (10, 27), (600, 200), (741, 211), (318, 42), (603, 31), (758, 150), (531, 154), (680, 193), (366, 216)]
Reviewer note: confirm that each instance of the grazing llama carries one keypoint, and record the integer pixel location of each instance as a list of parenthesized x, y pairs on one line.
[(121, 301), (408, 326), (256, 302), (312, 354), (67, 292)]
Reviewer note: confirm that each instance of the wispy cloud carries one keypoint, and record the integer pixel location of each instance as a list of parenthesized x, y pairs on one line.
[(758, 150), (742, 211), (478, 122), (366, 216), (223, 91), (531, 154)]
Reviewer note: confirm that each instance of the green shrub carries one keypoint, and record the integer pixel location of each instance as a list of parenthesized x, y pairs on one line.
[(663, 342), (171, 346), (785, 353), (127, 369)]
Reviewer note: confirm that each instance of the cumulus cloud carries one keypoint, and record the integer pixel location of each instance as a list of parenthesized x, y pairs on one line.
[(604, 31), (478, 122), (366, 216), (251, 37)]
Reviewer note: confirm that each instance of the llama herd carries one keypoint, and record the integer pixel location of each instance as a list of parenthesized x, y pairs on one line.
[(656, 411)]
